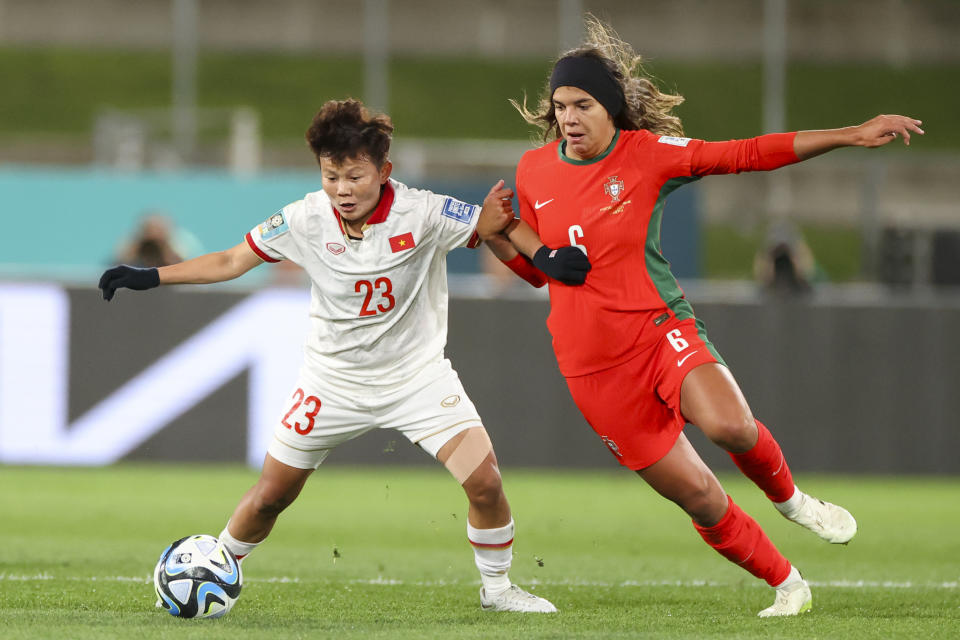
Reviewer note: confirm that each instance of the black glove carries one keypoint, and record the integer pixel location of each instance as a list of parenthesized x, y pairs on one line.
[(569, 265), (130, 277)]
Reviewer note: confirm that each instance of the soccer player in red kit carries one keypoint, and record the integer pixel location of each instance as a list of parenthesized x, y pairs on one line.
[(637, 361)]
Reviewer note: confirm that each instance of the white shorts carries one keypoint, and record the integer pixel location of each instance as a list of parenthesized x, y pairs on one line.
[(429, 410)]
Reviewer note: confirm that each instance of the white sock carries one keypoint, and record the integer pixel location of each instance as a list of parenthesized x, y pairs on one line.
[(493, 553), (238, 548), (790, 506), (793, 577)]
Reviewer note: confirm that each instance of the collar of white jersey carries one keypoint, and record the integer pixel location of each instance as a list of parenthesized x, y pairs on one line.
[(379, 214)]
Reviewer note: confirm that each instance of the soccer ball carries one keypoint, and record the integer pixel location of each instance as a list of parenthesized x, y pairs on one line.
[(197, 577)]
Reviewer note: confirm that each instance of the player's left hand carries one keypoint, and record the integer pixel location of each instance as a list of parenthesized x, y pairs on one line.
[(124, 276), (567, 264), (884, 129), (497, 211)]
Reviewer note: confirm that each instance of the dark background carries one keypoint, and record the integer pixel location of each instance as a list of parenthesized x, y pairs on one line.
[(843, 387)]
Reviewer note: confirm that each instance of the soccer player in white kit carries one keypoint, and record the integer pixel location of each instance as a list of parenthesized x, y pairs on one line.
[(375, 251)]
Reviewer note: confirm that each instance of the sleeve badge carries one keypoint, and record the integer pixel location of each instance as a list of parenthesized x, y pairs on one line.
[(274, 226), (674, 140), (459, 211)]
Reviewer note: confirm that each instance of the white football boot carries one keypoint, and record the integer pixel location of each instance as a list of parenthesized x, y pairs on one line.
[(832, 523), (791, 600), (516, 599)]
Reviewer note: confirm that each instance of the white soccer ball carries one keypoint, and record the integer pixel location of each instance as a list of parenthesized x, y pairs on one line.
[(197, 577)]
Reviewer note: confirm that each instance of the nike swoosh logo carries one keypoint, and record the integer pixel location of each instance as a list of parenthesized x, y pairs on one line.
[(538, 204), (684, 359)]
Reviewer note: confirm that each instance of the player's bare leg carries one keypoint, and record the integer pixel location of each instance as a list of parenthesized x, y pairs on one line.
[(470, 458), (278, 486), (711, 399), (682, 477)]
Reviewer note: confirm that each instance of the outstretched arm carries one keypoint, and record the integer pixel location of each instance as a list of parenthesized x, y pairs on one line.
[(503, 249), (775, 150), (219, 266), (876, 132), (496, 220), (524, 238), (514, 241), (212, 267)]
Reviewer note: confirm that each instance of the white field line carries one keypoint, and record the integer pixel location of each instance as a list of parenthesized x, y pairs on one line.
[(382, 581)]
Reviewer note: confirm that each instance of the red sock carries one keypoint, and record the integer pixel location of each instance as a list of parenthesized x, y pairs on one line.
[(766, 466), (739, 539)]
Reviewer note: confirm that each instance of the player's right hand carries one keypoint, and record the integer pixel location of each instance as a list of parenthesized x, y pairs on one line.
[(497, 211), (569, 265), (124, 276)]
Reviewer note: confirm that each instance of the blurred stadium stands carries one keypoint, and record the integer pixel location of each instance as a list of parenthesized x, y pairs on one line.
[(864, 41), (898, 32)]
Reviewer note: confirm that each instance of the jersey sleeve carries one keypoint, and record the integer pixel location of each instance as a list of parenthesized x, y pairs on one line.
[(454, 221), (690, 157), (275, 238), (763, 153)]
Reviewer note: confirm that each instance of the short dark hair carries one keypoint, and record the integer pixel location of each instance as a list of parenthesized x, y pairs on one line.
[(346, 129)]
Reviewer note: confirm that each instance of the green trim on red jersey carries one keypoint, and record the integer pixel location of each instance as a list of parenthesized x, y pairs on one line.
[(562, 152), (702, 332), (657, 266)]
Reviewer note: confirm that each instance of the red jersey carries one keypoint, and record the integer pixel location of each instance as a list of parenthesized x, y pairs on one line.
[(611, 206)]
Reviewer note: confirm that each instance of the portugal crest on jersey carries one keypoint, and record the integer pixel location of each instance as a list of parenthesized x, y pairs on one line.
[(613, 188)]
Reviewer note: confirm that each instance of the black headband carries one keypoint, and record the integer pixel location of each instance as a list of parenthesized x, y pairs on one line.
[(590, 74)]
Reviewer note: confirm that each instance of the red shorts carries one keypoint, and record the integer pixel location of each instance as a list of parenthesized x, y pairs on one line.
[(635, 406)]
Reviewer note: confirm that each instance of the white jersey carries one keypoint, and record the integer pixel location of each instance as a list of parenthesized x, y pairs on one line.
[(378, 305)]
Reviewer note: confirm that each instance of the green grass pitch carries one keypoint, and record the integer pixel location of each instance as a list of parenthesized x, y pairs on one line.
[(382, 553)]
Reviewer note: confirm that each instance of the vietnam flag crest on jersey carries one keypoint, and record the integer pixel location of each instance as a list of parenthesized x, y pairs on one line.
[(402, 242)]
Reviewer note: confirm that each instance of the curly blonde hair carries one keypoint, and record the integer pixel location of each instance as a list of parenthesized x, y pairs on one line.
[(647, 107)]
